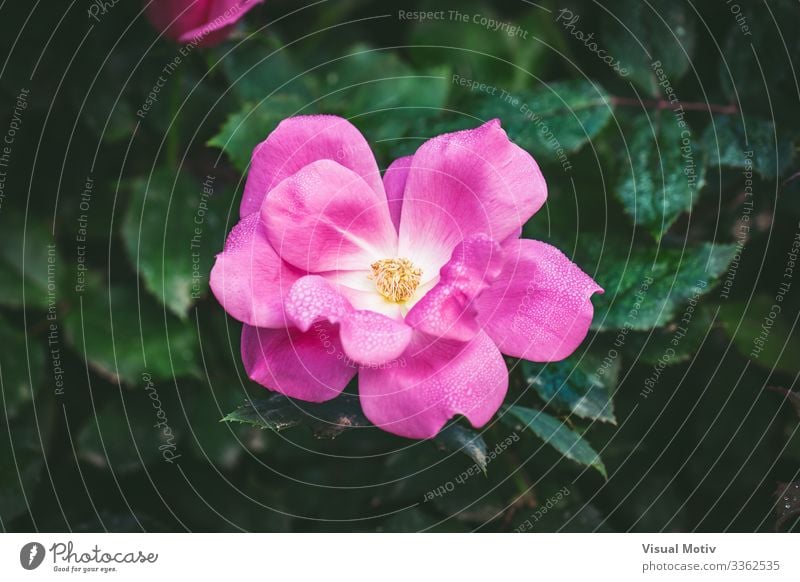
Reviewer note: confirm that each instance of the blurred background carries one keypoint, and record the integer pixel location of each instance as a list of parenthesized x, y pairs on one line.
[(667, 133)]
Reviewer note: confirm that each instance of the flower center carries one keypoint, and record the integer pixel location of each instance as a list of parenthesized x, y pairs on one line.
[(396, 279)]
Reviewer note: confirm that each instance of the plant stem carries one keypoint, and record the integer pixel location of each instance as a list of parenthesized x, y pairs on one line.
[(662, 104)]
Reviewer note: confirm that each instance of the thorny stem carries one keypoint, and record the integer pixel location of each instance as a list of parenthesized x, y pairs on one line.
[(663, 104)]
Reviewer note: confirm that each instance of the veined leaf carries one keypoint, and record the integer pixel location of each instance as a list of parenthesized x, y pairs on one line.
[(173, 229), (664, 175), (124, 335), (251, 125), (579, 384), (555, 433), (551, 121), (640, 34), (278, 412), (455, 437)]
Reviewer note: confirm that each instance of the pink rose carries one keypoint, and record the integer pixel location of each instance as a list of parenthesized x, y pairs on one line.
[(417, 281), (206, 22)]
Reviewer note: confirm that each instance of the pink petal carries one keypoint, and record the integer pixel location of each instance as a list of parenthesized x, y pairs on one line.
[(394, 182), (447, 310), (312, 299), (326, 218), (205, 22), (175, 17), (372, 339), (540, 306), (223, 14), (308, 365), (463, 183), (299, 141), (367, 337), (415, 395), (249, 279)]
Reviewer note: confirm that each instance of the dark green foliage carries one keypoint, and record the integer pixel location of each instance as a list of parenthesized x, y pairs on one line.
[(175, 212), (641, 34), (326, 420), (455, 437), (580, 384), (123, 334), (553, 120), (665, 171), (734, 143), (125, 404), (556, 434), (646, 286)]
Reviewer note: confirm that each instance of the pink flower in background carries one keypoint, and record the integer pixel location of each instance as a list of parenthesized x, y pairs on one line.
[(206, 22), (417, 281)]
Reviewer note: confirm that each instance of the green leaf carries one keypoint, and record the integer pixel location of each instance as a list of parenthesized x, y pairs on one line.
[(765, 86), (368, 79), (665, 173), (673, 343), (381, 94), (580, 384), (551, 121), (756, 144), (646, 286), (21, 462), (478, 52), (641, 33), (251, 125), (278, 412), (458, 438), (173, 228), (763, 333), (555, 433), (274, 413), (123, 336), (28, 260), (260, 66), (19, 375)]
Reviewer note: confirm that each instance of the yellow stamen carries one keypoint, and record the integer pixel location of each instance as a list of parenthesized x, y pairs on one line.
[(396, 279)]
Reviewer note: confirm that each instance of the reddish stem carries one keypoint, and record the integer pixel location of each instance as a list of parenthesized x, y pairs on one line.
[(662, 104), (791, 178)]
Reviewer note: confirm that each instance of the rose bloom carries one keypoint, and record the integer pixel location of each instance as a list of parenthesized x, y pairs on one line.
[(418, 281), (206, 22)]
